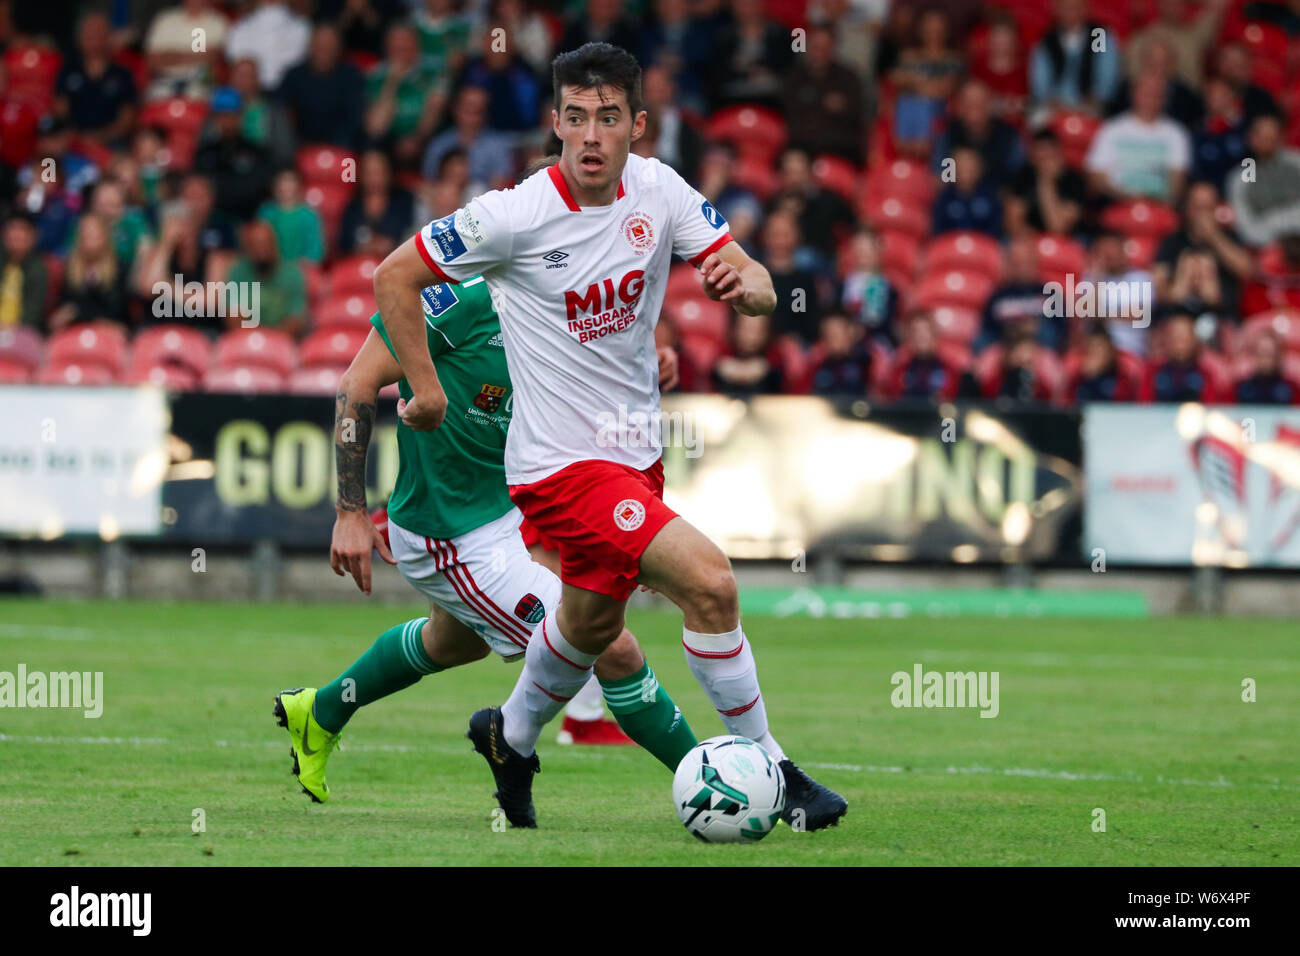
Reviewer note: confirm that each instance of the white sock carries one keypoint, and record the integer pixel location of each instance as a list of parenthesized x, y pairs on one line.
[(554, 671), (724, 666), (588, 704)]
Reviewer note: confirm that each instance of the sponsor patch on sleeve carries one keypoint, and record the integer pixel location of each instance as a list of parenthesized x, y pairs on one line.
[(711, 215), (438, 299), (446, 240)]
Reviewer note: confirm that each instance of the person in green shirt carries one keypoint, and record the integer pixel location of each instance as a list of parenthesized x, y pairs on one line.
[(405, 95), (297, 227), (454, 535), (280, 293)]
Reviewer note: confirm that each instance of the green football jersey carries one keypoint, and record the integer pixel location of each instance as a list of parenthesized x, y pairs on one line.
[(452, 480)]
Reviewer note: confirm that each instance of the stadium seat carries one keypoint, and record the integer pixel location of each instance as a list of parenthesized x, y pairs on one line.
[(73, 372), (353, 312), (261, 348), (245, 379), (15, 373), (702, 351), (322, 380), (330, 200), (1141, 250), (90, 343), (318, 285), (838, 175), (1140, 217), (957, 323), (323, 164), (331, 348), (1059, 255), (1075, 130), (181, 120), (968, 290), (902, 179), (22, 347), (354, 275), (1284, 323), (899, 251), (701, 316), (1048, 370), (752, 130), (173, 345), (756, 174), (964, 250), (684, 282), (32, 70), (795, 363), (892, 214), (168, 375)]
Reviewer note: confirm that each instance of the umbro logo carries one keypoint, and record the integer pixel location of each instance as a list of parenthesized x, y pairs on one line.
[(555, 259)]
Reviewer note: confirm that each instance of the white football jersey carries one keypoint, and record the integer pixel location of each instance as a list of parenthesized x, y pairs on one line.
[(578, 290)]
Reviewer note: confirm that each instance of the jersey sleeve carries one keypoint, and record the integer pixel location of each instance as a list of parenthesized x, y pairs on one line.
[(698, 228), (471, 240), (438, 342)]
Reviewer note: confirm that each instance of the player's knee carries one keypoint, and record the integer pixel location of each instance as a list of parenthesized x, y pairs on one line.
[(714, 596)]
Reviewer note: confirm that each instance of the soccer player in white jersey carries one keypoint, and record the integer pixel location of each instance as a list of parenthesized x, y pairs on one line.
[(576, 258)]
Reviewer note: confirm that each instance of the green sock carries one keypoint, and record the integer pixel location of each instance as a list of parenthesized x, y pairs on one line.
[(396, 660), (648, 715)]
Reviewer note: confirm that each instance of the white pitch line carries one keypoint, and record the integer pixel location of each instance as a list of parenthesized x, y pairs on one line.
[(1038, 774)]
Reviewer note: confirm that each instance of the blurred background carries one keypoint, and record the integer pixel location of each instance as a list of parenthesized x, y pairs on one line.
[(919, 429)]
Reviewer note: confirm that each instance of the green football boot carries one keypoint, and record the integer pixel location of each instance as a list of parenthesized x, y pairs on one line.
[(310, 743)]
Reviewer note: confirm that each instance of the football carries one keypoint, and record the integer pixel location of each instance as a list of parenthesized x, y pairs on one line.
[(728, 790)]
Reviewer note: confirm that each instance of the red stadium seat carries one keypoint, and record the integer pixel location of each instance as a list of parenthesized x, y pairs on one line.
[(322, 380), (969, 251), (892, 214), (262, 348), (245, 379), (329, 201), (701, 317), (354, 275), (969, 290), (1059, 255), (177, 378), (1141, 250), (318, 285), (795, 363), (753, 130), (1284, 323), (1075, 131), (1140, 217), (324, 165), (22, 347), (756, 174), (353, 312), (182, 122), (90, 343), (15, 373), (684, 282), (957, 323), (899, 251), (177, 345), (902, 179), (32, 70), (72, 372), (332, 348), (838, 175), (702, 351)]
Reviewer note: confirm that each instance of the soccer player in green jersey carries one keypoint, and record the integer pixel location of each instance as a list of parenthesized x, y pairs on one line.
[(454, 535)]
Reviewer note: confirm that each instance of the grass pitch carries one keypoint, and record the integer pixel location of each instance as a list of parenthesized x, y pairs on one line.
[(1142, 719)]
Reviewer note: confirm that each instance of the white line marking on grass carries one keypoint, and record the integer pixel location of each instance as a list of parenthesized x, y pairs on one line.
[(848, 767), (1106, 661)]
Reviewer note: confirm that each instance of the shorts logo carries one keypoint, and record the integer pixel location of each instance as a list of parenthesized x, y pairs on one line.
[(530, 609), (711, 214), (489, 397), (639, 232), (629, 514)]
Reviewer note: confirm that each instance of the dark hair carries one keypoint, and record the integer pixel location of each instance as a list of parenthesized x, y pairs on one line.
[(537, 165), (594, 66)]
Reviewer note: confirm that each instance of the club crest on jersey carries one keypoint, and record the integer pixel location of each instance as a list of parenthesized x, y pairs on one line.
[(638, 230), (629, 514), (530, 609), (489, 398)]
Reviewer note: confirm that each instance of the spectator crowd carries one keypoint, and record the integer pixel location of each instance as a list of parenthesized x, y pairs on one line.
[(1017, 200)]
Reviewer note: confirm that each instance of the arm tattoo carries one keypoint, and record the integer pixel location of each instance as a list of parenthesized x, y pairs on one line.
[(353, 422)]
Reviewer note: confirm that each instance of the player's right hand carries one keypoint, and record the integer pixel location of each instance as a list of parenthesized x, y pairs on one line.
[(355, 536), (423, 413)]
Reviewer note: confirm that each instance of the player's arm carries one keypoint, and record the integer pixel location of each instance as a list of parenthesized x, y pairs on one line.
[(398, 281), (731, 276), (354, 534)]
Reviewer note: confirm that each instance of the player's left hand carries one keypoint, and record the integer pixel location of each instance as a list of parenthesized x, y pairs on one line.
[(722, 281), (669, 375)]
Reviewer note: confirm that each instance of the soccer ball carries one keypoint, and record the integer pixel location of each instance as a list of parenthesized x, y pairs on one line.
[(728, 790)]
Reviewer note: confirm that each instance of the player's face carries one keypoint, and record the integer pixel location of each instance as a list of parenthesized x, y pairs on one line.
[(596, 129)]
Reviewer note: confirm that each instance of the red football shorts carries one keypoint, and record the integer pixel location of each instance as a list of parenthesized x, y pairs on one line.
[(534, 538), (602, 516)]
